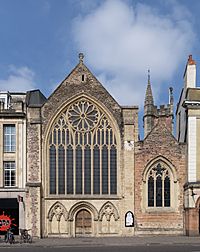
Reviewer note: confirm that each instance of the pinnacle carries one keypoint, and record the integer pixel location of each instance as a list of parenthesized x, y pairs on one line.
[(149, 95)]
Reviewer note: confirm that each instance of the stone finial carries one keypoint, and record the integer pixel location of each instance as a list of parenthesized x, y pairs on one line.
[(81, 57)]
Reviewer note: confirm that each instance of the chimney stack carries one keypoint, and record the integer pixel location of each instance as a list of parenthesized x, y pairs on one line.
[(190, 73)]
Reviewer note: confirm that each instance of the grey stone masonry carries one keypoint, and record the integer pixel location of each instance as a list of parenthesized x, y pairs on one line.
[(79, 82)]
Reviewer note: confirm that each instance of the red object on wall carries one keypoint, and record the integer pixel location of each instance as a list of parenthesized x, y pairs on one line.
[(5, 222)]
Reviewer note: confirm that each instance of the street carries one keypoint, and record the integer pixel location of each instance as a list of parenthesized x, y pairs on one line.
[(136, 248), (107, 244)]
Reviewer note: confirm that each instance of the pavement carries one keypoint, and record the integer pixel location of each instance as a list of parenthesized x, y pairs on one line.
[(107, 241)]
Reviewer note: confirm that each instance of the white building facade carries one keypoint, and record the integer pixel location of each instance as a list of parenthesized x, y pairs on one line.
[(188, 131)]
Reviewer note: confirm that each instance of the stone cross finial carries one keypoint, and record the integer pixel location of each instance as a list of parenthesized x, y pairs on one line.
[(81, 56)]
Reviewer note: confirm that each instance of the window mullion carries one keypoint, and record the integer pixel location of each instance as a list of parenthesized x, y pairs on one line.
[(92, 165), (91, 169), (65, 162), (100, 150), (57, 178), (9, 143), (163, 190), (108, 170), (74, 168), (10, 175)]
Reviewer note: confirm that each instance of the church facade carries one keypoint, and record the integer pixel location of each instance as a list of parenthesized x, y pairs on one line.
[(73, 164), (78, 164)]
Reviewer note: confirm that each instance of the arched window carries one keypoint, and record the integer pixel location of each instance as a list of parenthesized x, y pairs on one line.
[(82, 152), (159, 180)]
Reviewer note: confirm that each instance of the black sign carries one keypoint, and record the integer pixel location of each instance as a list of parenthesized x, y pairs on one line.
[(9, 215)]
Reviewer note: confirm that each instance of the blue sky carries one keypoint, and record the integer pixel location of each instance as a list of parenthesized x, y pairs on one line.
[(40, 41)]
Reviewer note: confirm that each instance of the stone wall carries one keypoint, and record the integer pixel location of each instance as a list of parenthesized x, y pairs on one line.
[(33, 198), (126, 118), (130, 118), (72, 87)]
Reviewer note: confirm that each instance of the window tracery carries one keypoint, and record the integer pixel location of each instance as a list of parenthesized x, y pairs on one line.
[(57, 210), (109, 210), (83, 115), (159, 180), (82, 151)]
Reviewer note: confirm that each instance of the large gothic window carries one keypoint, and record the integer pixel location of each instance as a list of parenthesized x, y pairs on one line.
[(82, 152), (159, 186)]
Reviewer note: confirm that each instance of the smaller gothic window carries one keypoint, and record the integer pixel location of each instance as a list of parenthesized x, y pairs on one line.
[(159, 186)]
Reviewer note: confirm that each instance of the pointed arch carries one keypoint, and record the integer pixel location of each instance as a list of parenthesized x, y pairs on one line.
[(82, 205), (165, 162), (109, 210), (73, 99), (57, 210), (160, 183), (81, 132)]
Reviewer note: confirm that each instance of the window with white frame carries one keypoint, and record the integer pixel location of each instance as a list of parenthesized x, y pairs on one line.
[(9, 132), (9, 174), (4, 99)]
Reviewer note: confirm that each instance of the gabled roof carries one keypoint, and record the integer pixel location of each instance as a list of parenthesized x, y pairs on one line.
[(80, 83), (81, 67)]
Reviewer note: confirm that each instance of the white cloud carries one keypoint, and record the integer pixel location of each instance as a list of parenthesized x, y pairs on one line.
[(20, 80), (121, 42)]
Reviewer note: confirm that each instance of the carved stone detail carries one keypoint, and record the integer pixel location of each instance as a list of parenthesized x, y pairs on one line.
[(58, 210), (108, 209)]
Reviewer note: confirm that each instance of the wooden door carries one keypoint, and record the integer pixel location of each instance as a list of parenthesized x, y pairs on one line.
[(83, 223)]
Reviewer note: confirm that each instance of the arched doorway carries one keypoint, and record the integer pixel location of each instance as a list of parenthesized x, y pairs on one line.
[(83, 223)]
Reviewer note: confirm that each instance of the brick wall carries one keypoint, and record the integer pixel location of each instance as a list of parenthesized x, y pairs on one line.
[(159, 143)]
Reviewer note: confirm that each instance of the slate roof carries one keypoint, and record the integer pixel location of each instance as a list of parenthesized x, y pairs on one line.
[(35, 98)]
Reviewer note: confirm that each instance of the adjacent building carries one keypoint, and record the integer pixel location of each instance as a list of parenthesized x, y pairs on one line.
[(188, 131), (159, 172), (14, 112)]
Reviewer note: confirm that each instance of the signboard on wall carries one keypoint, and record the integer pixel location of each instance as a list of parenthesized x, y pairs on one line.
[(129, 219), (5, 222), (9, 215)]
